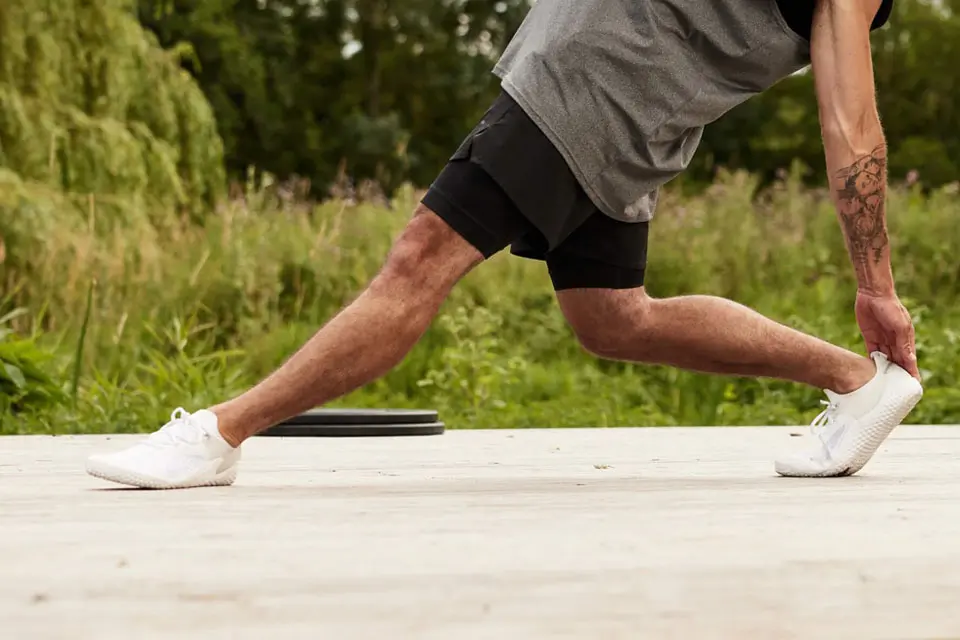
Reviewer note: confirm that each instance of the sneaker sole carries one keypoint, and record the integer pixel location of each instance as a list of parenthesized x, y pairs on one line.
[(891, 414), (133, 479)]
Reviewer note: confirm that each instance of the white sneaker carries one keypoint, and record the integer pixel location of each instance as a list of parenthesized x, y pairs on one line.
[(186, 452), (854, 425)]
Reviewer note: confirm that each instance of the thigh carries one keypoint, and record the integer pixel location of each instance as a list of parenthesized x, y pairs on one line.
[(602, 253)]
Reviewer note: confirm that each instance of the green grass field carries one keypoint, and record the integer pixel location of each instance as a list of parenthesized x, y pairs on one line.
[(115, 317)]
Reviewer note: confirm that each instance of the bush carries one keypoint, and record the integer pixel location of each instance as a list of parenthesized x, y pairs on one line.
[(23, 381)]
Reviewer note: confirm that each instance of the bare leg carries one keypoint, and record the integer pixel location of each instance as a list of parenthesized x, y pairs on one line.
[(708, 335), (366, 339)]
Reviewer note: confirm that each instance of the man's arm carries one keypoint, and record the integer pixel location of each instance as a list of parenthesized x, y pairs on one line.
[(856, 151), (857, 163)]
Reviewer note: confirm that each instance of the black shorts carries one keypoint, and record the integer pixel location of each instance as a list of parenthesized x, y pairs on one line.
[(507, 185)]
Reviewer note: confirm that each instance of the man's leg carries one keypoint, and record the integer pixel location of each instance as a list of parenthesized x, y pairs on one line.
[(868, 397), (465, 218), (367, 338), (709, 335), (364, 341), (599, 272)]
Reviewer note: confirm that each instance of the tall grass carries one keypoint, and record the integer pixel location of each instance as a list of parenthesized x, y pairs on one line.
[(188, 315)]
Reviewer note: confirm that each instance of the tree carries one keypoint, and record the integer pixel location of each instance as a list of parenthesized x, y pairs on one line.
[(387, 87)]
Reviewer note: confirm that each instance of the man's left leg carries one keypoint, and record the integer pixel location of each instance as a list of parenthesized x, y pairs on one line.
[(598, 273), (707, 334)]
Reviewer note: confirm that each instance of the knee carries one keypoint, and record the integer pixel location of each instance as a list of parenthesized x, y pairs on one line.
[(608, 340), (428, 255), (609, 323)]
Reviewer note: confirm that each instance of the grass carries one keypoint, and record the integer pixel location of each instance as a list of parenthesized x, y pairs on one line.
[(188, 315)]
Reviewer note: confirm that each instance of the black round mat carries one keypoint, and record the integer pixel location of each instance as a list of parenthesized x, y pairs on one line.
[(359, 423), (354, 430), (363, 417)]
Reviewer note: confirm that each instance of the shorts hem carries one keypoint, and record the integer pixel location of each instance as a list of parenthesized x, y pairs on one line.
[(584, 273), (461, 222)]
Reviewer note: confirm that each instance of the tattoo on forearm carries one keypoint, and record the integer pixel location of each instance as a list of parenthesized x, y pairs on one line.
[(861, 199)]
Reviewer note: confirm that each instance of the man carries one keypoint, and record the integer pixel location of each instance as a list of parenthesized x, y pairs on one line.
[(603, 102)]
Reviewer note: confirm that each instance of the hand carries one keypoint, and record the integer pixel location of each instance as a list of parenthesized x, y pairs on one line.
[(887, 327)]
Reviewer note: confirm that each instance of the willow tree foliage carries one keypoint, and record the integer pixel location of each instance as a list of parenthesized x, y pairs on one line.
[(91, 104)]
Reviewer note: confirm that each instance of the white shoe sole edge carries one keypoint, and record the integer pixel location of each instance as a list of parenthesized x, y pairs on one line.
[(896, 409), (134, 479)]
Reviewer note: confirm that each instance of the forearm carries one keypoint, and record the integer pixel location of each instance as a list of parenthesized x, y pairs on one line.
[(858, 179), (856, 152)]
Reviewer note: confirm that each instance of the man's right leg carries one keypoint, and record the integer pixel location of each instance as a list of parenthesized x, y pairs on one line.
[(465, 218), (361, 343), (366, 339)]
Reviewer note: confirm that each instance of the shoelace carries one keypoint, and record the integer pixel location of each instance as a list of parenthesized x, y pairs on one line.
[(822, 423), (180, 429)]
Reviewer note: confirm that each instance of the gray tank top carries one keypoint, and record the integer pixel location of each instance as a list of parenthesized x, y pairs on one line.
[(623, 88)]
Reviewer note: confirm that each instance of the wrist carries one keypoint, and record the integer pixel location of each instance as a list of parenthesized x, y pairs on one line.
[(877, 289), (875, 276)]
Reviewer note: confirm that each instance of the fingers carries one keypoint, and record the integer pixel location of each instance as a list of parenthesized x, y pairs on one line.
[(906, 350), (882, 347), (907, 359)]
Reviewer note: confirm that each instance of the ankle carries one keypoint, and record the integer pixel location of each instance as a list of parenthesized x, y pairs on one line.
[(231, 438), (855, 377), (227, 425)]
